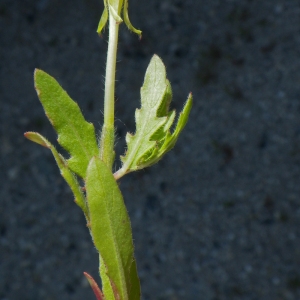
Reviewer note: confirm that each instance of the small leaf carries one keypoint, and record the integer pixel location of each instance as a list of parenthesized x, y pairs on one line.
[(111, 230), (75, 134), (147, 122), (127, 21), (37, 138), (103, 19), (94, 286), (114, 7), (64, 170), (153, 138)]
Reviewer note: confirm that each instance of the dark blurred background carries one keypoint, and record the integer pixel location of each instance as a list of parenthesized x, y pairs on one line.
[(219, 217)]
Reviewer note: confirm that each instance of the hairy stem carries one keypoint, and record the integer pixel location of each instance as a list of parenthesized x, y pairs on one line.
[(107, 134)]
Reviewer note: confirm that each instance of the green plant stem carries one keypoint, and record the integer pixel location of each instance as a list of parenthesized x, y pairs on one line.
[(120, 173), (108, 130)]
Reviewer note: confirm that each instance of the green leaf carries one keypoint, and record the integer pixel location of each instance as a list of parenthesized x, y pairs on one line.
[(64, 170), (111, 231), (106, 286), (94, 286), (114, 7), (75, 134), (153, 138), (170, 139), (147, 122), (103, 19), (135, 288), (127, 21)]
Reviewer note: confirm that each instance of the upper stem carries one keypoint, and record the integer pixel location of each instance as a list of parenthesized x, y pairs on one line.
[(107, 134)]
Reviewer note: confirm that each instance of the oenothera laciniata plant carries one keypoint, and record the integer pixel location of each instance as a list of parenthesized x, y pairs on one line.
[(91, 161)]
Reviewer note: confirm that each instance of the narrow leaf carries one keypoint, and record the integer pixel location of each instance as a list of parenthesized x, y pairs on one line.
[(134, 288), (103, 19), (106, 285), (64, 170), (75, 134), (127, 21), (37, 138), (182, 120), (94, 286), (111, 230)]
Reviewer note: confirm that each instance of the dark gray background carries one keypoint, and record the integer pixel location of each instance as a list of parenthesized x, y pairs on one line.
[(219, 216)]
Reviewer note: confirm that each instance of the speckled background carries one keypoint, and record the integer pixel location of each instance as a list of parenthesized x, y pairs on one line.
[(219, 217)]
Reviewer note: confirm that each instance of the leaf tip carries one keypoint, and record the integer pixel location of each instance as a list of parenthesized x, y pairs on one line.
[(37, 138), (36, 72), (155, 56), (98, 293), (35, 77), (190, 99)]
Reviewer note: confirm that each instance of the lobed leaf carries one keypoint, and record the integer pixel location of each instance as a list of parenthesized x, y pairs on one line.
[(111, 231), (147, 122), (153, 138), (170, 139), (75, 134)]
